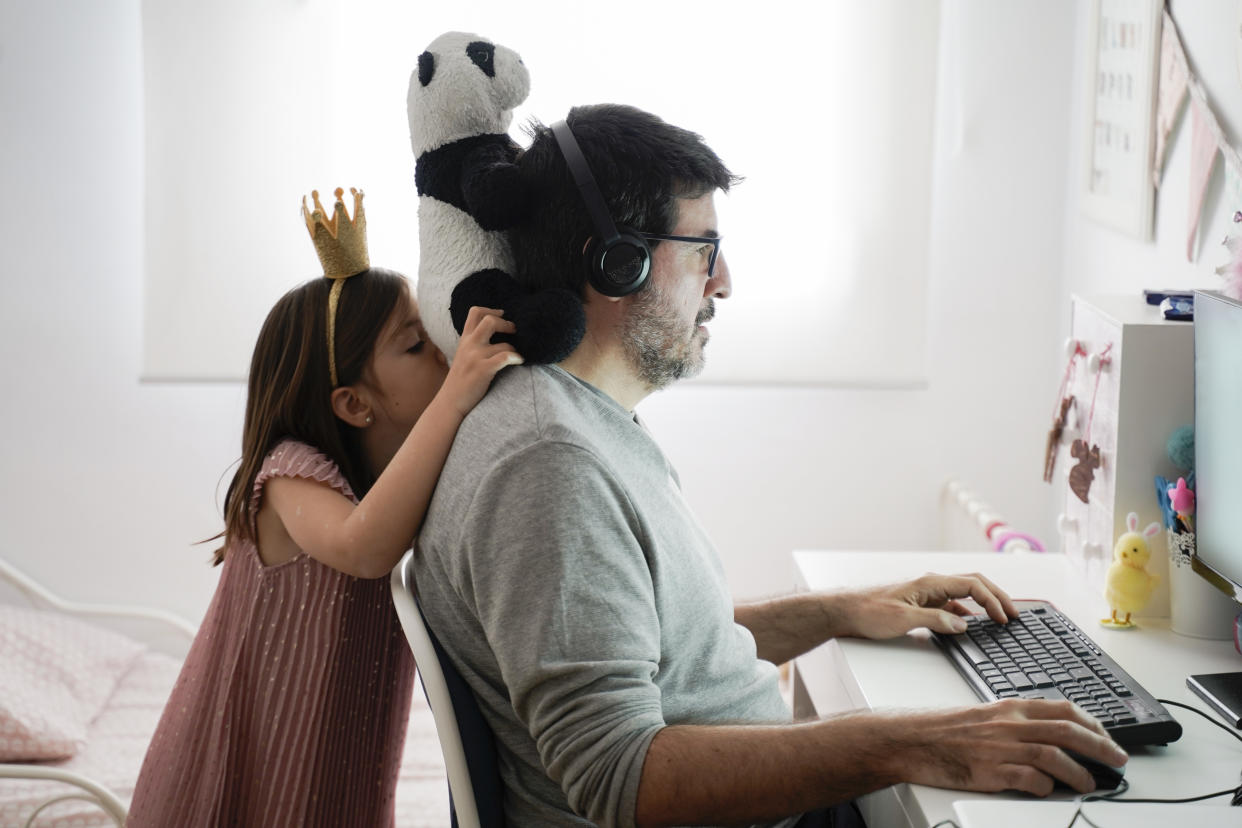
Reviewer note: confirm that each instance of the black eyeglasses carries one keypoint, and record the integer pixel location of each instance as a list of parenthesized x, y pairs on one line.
[(714, 241)]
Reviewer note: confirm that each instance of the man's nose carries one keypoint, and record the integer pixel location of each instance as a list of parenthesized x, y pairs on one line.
[(721, 283)]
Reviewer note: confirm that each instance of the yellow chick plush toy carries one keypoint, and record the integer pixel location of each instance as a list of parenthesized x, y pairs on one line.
[(1127, 584)]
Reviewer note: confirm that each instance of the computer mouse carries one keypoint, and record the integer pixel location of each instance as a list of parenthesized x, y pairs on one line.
[(1106, 777)]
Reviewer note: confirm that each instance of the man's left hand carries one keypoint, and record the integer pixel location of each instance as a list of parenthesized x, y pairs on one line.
[(930, 601)]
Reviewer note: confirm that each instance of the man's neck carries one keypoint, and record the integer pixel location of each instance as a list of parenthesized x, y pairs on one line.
[(608, 369)]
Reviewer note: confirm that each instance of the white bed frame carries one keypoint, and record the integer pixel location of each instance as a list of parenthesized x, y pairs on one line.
[(164, 631)]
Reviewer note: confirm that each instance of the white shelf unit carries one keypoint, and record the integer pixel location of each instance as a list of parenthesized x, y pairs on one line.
[(1146, 392)]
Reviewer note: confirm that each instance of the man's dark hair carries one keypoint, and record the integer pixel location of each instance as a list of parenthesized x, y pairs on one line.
[(641, 164)]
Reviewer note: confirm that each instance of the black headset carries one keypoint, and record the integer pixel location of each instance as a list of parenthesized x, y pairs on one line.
[(617, 259)]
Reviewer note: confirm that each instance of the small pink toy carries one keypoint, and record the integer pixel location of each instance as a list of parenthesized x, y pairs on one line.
[(1182, 498)]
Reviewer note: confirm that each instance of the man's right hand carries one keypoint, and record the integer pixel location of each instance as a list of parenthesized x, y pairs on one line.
[(1014, 744)]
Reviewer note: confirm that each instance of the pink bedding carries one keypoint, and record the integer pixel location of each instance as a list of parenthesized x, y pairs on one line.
[(117, 741)]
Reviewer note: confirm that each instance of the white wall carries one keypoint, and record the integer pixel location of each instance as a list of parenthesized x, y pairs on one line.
[(108, 482), (1099, 260), (855, 469)]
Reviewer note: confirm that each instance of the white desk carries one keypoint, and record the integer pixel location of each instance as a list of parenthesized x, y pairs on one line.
[(911, 672)]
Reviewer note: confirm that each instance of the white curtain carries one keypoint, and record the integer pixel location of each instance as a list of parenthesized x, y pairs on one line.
[(826, 109)]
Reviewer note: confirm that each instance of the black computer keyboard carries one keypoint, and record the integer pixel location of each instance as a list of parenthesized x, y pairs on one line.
[(1042, 654)]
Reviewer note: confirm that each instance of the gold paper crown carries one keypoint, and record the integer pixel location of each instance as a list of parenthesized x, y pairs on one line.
[(340, 242), (342, 247)]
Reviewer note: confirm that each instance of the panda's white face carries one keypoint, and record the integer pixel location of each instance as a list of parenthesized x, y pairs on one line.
[(464, 85)]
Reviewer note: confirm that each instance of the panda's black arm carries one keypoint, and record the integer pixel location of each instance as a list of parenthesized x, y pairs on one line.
[(492, 187)]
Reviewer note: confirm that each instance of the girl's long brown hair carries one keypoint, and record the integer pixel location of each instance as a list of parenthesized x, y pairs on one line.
[(289, 389)]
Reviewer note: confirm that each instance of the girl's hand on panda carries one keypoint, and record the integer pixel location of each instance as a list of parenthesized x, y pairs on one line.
[(478, 360)]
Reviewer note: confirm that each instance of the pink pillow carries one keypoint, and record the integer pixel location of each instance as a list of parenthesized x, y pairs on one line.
[(57, 674)]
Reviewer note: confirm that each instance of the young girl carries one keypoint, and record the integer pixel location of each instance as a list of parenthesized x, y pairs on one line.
[(292, 705)]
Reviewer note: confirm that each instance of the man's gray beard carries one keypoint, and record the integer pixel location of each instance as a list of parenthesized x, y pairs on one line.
[(652, 341)]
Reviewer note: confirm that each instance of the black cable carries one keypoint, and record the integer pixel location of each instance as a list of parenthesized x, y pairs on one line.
[(1225, 728), (1080, 815), (1124, 785), (1200, 798)]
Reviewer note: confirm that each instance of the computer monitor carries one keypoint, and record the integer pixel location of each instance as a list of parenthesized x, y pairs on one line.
[(1218, 473), (1218, 441)]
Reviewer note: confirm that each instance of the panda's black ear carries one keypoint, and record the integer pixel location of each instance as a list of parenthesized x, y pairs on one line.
[(426, 67)]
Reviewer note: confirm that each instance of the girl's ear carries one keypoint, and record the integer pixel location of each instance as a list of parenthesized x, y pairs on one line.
[(351, 406)]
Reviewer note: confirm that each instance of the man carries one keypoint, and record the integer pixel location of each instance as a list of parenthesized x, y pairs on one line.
[(586, 607)]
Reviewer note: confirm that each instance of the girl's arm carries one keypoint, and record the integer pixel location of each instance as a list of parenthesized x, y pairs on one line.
[(367, 540)]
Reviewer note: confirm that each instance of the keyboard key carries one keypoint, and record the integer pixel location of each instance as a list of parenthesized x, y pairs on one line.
[(1019, 681), (1040, 679), (971, 651)]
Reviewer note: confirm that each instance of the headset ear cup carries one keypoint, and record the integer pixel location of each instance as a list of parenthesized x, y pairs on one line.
[(617, 260), (621, 266)]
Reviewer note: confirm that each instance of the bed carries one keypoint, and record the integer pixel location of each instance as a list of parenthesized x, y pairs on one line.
[(81, 691), (82, 687)]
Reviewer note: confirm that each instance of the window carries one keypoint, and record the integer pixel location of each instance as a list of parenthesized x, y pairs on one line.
[(826, 109)]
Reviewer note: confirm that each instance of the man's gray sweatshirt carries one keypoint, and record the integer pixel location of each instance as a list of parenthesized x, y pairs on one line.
[(564, 573)]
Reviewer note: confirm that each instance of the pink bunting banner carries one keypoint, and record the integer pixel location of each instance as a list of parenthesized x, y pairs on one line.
[(1173, 74), (1207, 137), (1203, 149)]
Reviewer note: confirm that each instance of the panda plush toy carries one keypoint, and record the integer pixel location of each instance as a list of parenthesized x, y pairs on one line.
[(460, 104)]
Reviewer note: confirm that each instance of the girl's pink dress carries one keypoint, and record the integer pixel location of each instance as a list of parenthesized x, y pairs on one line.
[(292, 705)]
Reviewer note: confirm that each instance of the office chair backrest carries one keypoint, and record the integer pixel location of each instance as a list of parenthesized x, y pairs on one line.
[(466, 740)]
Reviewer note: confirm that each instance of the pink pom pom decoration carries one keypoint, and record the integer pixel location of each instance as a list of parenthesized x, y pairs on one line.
[(1231, 272)]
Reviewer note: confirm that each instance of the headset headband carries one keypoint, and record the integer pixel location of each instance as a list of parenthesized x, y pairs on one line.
[(581, 171)]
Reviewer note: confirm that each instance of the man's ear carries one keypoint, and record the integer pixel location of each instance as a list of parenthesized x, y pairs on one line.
[(351, 406)]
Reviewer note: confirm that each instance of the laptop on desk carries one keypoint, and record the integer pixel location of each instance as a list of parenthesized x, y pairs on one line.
[(1034, 813)]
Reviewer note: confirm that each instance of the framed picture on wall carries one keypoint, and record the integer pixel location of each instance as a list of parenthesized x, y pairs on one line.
[(1123, 40)]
